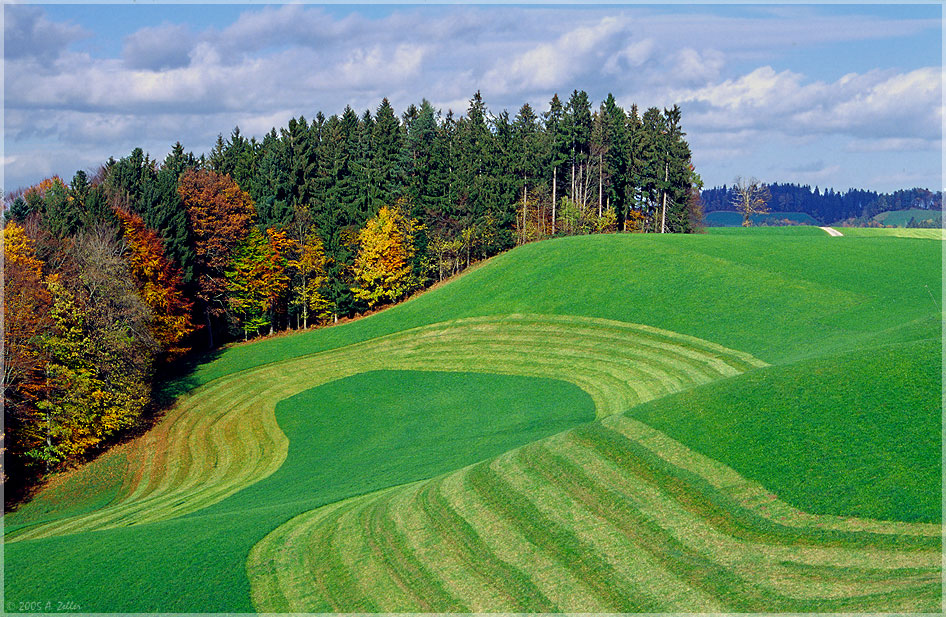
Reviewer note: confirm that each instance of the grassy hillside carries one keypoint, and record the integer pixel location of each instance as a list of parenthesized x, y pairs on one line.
[(900, 218), (793, 293), (793, 383), (898, 232), (723, 218)]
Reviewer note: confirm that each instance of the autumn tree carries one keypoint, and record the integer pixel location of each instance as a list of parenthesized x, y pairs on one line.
[(382, 267), (750, 196), (258, 279), (309, 266), (219, 215), (100, 352), (26, 305), (159, 284)]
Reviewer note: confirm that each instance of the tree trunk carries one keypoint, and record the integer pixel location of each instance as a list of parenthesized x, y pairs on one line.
[(210, 330), (554, 176), (663, 215), (574, 195), (525, 212), (600, 185)]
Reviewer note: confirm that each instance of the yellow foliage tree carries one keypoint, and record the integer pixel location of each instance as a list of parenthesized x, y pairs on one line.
[(310, 267), (382, 269)]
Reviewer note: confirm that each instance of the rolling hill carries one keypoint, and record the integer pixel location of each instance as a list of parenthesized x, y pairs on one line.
[(745, 421)]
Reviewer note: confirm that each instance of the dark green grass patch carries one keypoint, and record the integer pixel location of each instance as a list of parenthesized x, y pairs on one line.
[(382, 428), (347, 437), (854, 434)]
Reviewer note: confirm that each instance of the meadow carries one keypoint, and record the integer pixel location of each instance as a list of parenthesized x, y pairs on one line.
[(738, 421)]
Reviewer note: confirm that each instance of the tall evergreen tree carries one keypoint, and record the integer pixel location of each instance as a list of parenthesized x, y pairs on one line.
[(386, 146), (556, 148)]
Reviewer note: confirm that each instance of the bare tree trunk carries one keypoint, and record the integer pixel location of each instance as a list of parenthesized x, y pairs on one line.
[(574, 196), (525, 211), (663, 215), (554, 177), (600, 185)]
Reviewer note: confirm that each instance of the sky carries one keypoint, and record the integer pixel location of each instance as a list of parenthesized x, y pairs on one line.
[(842, 96)]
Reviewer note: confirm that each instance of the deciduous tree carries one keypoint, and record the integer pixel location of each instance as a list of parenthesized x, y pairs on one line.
[(219, 214), (750, 196), (382, 268), (159, 284)]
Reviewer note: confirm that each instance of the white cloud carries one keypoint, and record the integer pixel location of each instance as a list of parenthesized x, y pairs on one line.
[(174, 81), (167, 46), (879, 104), (553, 65), (27, 33), (632, 56)]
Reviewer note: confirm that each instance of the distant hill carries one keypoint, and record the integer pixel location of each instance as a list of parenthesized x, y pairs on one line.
[(911, 217), (855, 206), (729, 218)]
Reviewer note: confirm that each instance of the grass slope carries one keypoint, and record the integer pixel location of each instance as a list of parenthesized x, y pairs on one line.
[(821, 437), (614, 515), (899, 232), (778, 297), (193, 488)]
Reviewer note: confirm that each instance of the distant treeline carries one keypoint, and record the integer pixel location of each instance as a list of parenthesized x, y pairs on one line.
[(830, 206), (115, 276)]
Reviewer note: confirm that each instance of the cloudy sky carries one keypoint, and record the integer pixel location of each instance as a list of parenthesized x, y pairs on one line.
[(841, 95)]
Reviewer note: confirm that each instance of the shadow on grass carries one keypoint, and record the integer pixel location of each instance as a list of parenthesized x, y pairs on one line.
[(171, 382)]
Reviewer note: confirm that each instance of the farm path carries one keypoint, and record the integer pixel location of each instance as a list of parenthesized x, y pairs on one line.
[(831, 231)]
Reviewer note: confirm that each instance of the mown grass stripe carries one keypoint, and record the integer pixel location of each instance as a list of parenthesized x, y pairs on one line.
[(520, 592), (689, 565), (750, 495), (199, 462), (702, 499), (557, 541), (502, 538), (756, 560), (389, 547), (741, 593)]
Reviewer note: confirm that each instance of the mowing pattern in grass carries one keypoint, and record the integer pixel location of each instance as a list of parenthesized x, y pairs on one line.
[(224, 436), (609, 517), (898, 232)]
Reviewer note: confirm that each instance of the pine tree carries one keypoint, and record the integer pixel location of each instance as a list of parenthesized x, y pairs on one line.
[(386, 145)]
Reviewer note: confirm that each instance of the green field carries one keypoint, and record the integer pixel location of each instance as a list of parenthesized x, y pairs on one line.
[(725, 422), (898, 232), (724, 218), (900, 218)]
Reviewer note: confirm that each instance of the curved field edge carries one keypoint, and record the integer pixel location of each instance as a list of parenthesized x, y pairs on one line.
[(609, 517), (855, 434), (224, 437)]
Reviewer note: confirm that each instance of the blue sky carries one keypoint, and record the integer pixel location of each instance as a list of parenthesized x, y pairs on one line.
[(829, 95)]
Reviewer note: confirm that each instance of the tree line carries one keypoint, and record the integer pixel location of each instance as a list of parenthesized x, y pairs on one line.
[(114, 277), (827, 206)]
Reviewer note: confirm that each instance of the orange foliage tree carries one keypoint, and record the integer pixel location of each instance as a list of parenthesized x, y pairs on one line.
[(220, 214), (159, 284)]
